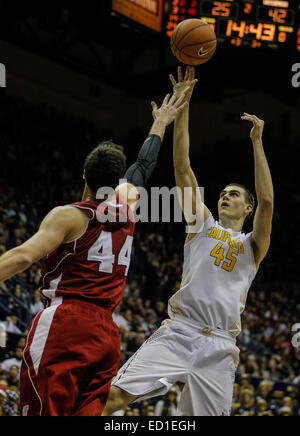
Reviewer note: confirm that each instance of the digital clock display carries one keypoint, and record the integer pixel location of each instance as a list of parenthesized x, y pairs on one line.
[(253, 23)]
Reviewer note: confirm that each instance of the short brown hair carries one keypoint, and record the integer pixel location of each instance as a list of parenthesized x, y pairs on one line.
[(249, 197), (105, 165)]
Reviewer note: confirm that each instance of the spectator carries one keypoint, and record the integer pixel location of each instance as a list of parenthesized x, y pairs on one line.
[(16, 360), (22, 213), (168, 405), (36, 305), (14, 303), (245, 382), (288, 402), (161, 314), (264, 390), (285, 411), (136, 411), (247, 407), (21, 342), (251, 366), (262, 408), (293, 392), (136, 342), (3, 384), (276, 401), (13, 376), (119, 319), (236, 402), (150, 411), (274, 372), (148, 308), (140, 324), (128, 412), (10, 324), (10, 404)]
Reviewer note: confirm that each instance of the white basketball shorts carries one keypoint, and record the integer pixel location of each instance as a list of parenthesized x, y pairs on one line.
[(203, 358)]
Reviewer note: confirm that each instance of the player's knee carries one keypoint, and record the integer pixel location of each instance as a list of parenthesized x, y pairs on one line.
[(118, 399)]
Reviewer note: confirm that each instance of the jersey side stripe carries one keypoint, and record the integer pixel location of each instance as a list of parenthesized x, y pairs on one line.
[(41, 333), (50, 293), (50, 272)]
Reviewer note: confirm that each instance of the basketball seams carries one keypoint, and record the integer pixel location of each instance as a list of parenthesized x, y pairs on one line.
[(174, 37), (191, 30), (175, 49)]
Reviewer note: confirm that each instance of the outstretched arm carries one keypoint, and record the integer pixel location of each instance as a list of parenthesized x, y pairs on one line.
[(54, 230), (139, 173), (262, 226), (191, 202)]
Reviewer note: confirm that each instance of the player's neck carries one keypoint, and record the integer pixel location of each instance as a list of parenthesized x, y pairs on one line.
[(88, 195), (234, 224)]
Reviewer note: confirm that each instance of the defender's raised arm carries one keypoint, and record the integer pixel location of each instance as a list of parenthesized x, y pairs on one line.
[(139, 173)]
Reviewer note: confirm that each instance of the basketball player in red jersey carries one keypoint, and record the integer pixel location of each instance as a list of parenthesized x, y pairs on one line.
[(72, 347)]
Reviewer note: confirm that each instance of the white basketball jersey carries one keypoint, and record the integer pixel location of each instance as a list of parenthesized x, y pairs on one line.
[(218, 270)]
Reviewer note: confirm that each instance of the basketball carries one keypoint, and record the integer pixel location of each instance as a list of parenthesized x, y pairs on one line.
[(193, 42)]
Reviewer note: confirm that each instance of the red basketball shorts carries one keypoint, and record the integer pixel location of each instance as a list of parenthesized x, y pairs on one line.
[(72, 353)]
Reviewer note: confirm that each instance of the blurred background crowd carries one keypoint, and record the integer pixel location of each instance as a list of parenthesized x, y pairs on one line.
[(45, 150)]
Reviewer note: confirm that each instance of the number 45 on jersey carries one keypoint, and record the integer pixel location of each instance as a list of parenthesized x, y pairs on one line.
[(230, 260)]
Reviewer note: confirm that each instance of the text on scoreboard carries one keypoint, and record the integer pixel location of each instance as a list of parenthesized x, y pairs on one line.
[(256, 23)]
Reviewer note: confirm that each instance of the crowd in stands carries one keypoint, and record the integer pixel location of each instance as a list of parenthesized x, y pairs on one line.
[(268, 376)]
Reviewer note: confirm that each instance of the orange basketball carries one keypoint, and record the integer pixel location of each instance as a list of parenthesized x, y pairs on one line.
[(193, 42)]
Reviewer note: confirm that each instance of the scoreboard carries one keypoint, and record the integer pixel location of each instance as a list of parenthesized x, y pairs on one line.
[(254, 23), (145, 12), (273, 24)]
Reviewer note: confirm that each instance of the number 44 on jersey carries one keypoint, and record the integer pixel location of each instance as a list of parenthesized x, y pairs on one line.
[(102, 251)]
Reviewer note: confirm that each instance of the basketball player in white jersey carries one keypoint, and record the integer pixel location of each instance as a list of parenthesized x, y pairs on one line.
[(196, 345)]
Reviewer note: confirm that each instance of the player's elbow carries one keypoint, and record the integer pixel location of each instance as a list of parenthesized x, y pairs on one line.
[(23, 258), (182, 168), (267, 202)]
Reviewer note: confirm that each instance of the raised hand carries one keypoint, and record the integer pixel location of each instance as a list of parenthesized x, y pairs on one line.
[(184, 85), (258, 126), (170, 108)]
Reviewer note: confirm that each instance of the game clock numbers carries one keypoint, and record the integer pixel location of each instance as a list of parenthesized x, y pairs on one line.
[(261, 31), (256, 23)]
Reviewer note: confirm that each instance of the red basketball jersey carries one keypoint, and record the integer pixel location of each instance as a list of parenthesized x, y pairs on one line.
[(94, 266)]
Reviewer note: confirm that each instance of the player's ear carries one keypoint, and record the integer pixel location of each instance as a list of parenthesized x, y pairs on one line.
[(249, 209)]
